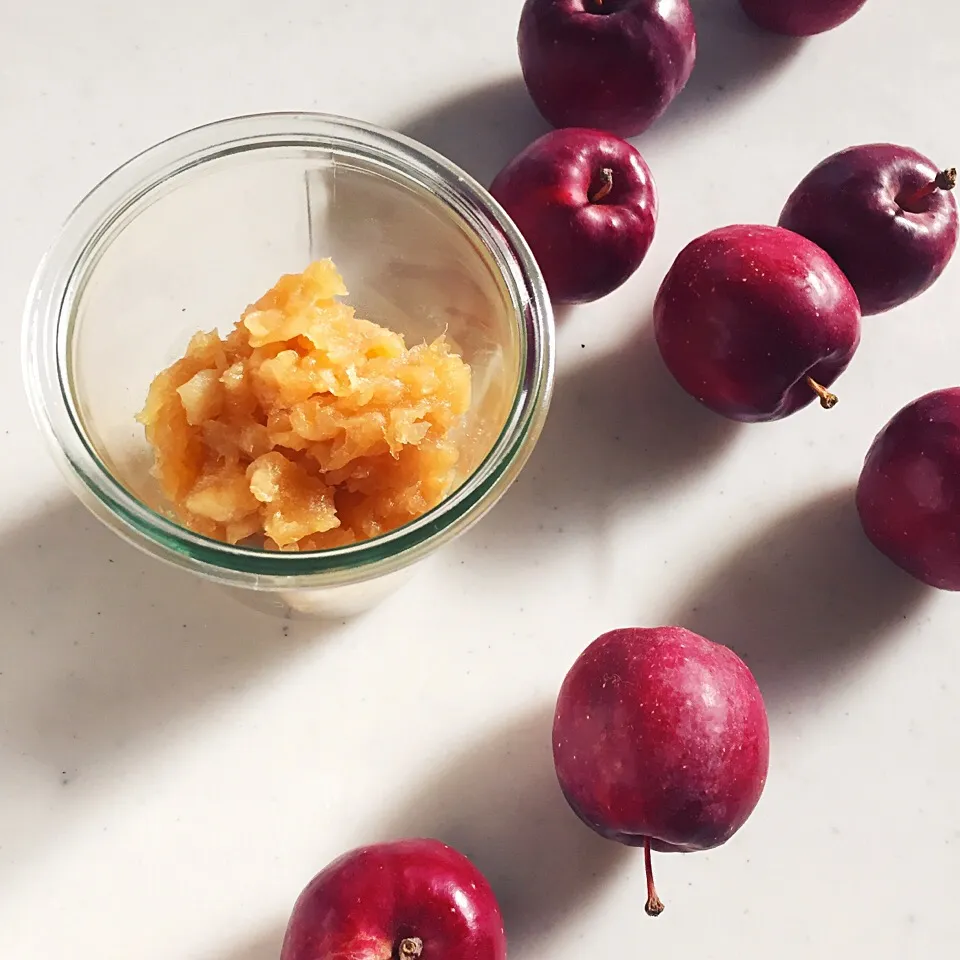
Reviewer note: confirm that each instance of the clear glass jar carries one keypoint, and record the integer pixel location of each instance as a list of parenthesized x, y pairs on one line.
[(185, 235)]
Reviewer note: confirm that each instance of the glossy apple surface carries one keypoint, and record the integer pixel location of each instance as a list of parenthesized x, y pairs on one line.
[(661, 733), (586, 204), (885, 214), (613, 65), (908, 496), (660, 739), (756, 322), (397, 901)]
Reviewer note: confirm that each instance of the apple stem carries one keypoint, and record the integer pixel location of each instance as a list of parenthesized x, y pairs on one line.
[(606, 185), (410, 948), (827, 399), (944, 180), (654, 905)]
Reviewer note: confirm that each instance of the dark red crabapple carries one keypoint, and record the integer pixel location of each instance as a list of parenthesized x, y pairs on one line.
[(886, 215), (756, 322), (660, 740), (800, 18), (586, 204), (908, 496), (611, 64), (397, 901)]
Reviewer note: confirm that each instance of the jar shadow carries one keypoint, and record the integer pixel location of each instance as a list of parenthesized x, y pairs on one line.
[(619, 427), (103, 647)]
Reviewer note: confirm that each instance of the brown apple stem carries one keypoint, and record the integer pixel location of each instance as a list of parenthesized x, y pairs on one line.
[(944, 180), (654, 905), (827, 399), (606, 185), (410, 948)]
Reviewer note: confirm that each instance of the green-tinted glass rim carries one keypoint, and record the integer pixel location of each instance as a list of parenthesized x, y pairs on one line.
[(58, 285)]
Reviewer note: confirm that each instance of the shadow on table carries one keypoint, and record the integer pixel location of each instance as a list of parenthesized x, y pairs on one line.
[(483, 128), (619, 426), (265, 946), (480, 129), (734, 58), (102, 646), (802, 601), (498, 802)]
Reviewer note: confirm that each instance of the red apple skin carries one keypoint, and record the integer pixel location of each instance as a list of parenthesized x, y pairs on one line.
[(850, 204), (800, 18), (585, 249), (661, 733), (366, 902), (747, 313), (616, 70), (908, 496)]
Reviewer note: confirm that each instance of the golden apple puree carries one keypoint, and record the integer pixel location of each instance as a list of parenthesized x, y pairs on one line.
[(306, 427)]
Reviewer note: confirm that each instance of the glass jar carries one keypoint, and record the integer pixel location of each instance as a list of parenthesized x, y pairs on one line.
[(182, 237)]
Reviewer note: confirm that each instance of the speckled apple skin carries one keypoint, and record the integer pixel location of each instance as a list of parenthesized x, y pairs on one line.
[(366, 902), (747, 313), (908, 496), (661, 733), (850, 205)]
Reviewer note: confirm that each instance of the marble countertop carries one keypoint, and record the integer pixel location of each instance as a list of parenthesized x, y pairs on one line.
[(174, 768)]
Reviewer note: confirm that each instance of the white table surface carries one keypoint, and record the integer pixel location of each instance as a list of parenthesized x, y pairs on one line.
[(174, 768)]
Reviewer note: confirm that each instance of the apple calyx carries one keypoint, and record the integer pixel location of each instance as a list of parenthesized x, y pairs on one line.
[(604, 187), (654, 905), (828, 400), (410, 948), (944, 180)]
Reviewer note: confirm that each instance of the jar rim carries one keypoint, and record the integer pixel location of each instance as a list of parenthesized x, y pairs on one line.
[(54, 295)]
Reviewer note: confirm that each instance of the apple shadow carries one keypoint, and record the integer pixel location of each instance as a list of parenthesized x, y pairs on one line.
[(733, 57), (803, 601), (103, 647), (498, 803), (619, 426), (265, 946), (481, 129)]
